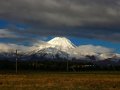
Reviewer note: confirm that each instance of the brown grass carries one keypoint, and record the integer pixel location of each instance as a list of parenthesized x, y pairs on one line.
[(60, 81)]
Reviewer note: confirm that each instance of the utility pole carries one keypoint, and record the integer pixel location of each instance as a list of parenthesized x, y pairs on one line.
[(16, 61), (67, 63), (67, 66)]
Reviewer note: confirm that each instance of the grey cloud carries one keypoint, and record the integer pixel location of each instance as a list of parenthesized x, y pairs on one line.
[(13, 47), (4, 33), (112, 35), (62, 12), (19, 37), (94, 49), (81, 18)]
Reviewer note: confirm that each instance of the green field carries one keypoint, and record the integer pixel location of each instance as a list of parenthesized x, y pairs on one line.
[(60, 81)]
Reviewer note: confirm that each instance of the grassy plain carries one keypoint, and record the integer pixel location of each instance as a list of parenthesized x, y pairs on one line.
[(104, 80)]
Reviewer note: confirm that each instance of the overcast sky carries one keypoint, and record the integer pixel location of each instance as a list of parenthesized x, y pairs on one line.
[(31, 20)]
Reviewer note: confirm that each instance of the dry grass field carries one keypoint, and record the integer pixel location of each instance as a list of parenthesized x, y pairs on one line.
[(60, 81)]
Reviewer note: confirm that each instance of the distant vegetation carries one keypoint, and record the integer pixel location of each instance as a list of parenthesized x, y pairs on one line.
[(58, 65)]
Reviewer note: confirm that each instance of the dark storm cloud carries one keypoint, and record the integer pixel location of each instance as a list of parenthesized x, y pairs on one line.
[(62, 12), (94, 18), (91, 33)]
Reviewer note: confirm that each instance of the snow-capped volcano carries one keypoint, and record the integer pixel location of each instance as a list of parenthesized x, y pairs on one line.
[(62, 42), (57, 46), (64, 48)]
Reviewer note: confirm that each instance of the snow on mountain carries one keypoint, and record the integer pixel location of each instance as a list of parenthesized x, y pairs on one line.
[(65, 45), (58, 43), (63, 48), (52, 53), (60, 46), (62, 43), (39, 46)]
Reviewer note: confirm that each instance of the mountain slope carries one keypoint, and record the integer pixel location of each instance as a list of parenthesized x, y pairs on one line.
[(51, 53), (62, 42), (61, 47), (58, 46)]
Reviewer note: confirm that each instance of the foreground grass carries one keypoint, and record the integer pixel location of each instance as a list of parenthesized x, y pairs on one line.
[(60, 81)]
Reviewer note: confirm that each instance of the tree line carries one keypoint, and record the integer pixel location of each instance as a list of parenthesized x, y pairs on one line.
[(56, 65)]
